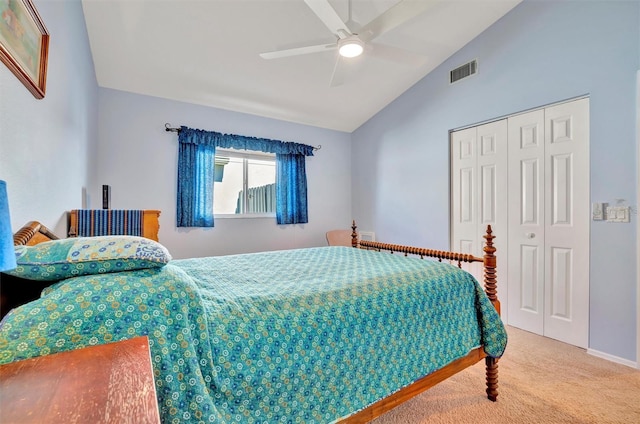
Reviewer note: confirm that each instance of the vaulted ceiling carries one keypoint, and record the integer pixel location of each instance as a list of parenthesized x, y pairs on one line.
[(207, 52)]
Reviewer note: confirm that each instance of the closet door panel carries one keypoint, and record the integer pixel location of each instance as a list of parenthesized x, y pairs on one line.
[(526, 221), (492, 189), (464, 193), (479, 190), (567, 219)]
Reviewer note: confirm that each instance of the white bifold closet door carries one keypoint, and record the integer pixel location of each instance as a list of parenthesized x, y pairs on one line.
[(528, 176), (479, 196), (549, 222)]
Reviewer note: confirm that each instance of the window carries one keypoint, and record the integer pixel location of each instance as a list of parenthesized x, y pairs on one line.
[(245, 184), (196, 176)]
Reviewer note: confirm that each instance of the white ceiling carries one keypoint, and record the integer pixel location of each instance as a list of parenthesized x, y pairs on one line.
[(207, 52)]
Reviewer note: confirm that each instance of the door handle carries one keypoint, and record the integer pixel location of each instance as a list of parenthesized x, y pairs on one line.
[(530, 235)]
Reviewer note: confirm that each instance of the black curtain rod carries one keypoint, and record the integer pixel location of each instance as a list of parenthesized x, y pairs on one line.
[(169, 128)]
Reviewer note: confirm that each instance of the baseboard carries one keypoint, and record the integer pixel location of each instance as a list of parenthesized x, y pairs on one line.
[(613, 358)]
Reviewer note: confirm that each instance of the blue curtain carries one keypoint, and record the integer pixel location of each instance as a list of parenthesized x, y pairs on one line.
[(196, 173), (291, 189)]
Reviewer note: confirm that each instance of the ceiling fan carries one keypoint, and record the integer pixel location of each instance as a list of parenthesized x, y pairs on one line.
[(350, 44)]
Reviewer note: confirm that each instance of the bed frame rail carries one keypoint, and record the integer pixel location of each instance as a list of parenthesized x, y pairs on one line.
[(419, 251), (488, 260), (490, 288)]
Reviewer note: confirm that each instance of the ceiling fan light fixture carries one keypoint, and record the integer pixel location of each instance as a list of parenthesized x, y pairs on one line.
[(350, 47)]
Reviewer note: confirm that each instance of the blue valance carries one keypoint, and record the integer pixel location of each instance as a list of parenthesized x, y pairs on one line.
[(241, 142)]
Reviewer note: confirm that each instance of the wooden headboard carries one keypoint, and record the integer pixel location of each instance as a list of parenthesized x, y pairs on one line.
[(150, 223), (33, 233)]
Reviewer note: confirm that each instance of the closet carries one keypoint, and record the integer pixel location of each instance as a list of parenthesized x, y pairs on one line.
[(528, 176)]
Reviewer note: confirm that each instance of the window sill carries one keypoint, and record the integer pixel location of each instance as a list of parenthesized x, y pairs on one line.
[(242, 216)]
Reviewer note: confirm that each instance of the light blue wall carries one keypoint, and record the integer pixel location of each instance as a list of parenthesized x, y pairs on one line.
[(138, 159), (540, 53), (47, 147)]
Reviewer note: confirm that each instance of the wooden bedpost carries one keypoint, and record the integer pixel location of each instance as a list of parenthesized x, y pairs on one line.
[(491, 365), (491, 288), (490, 282), (354, 234)]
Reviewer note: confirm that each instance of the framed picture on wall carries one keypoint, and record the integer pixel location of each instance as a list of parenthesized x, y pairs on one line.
[(24, 44)]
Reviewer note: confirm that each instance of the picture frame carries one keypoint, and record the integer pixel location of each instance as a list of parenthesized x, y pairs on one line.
[(24, 44)]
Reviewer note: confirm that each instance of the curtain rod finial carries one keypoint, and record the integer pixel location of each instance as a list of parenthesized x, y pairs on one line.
[(167, 127)]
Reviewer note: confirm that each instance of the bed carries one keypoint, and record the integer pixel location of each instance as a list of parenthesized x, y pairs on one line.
[(316, 335)]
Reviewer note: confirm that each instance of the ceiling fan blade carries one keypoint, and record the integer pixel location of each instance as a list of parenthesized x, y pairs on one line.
[(337, 77), (395, 54), (396, 15), (298, 51), (345, 69), (328, 16)]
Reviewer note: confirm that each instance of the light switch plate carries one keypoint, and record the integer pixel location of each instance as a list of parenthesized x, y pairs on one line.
[(618, 214)]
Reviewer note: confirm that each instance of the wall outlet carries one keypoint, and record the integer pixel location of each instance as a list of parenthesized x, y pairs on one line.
[(618, 213), (367, 235)]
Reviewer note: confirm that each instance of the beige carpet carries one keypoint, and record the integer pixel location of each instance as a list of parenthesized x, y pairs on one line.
[(541, 381)]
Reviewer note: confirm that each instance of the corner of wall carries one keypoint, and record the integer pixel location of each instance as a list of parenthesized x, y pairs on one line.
[(638, 226)]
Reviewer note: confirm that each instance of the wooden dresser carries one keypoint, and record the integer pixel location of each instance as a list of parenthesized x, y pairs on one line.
[(110, 383)]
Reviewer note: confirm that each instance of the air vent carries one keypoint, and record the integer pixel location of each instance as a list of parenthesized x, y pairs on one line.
[(463, 71)]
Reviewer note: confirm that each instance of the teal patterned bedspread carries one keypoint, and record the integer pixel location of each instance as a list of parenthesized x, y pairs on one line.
[(306, 335)]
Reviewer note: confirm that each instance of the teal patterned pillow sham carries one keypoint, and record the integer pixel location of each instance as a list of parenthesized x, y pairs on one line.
[(65, 258)]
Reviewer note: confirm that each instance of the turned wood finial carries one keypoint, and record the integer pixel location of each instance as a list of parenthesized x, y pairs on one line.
[(354, 234)]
